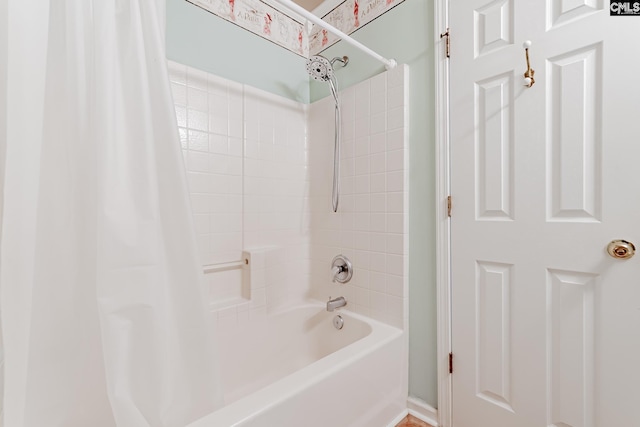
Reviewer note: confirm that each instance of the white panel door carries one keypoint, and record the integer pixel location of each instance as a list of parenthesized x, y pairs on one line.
[(545, 324)]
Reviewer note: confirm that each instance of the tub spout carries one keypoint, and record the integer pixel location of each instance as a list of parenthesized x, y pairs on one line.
[(332, 304)]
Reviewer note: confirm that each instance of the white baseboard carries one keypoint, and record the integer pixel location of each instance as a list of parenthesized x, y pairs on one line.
[(399, 418), (422, 411)]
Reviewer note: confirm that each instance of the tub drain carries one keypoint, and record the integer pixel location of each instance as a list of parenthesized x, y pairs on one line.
[(338, 321)]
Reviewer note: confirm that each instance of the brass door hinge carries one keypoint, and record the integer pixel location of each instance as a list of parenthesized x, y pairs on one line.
[(447, 43), (449, 206), (451, 363)]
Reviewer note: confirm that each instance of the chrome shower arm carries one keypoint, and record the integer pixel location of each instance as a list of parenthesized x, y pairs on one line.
[(344, 60)]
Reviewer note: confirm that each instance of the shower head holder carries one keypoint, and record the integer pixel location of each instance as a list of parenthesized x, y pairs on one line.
[(344, 60)]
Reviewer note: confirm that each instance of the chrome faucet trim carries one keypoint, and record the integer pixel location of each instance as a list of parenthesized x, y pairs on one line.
[(341, 269), (332, 304)]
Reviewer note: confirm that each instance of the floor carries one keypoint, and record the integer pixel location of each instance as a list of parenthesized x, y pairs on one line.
[(411, 421)]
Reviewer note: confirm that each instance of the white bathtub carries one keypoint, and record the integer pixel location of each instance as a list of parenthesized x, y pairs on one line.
[(296, 369)]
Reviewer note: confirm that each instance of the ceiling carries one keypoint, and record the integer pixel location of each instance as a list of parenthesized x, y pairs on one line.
[(310, 5)]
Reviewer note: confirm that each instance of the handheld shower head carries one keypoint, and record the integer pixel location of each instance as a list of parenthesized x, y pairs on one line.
[(319, 68)]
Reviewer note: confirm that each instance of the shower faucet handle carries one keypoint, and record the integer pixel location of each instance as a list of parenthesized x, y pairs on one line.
[(341, 269)]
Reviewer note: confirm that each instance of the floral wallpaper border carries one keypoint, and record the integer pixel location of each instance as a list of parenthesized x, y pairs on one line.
[(261, 19), (348, 16), (267, 22)]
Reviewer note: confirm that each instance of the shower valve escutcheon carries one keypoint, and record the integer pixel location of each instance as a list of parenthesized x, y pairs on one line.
[(341, 269)]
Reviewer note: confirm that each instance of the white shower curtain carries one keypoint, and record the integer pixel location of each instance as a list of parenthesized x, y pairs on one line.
[(102, 315)]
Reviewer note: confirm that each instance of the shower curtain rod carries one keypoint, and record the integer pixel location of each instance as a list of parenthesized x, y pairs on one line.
[(389, 63)]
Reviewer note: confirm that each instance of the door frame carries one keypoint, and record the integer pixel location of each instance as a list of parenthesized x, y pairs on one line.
[(443, 222)]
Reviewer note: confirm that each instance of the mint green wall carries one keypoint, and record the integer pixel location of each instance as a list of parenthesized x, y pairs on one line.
[(202, 40), (406, 34)]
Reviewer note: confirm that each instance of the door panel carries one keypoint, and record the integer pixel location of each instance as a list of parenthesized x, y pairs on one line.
[(544, 322), (493, 337), (494, 139), (574, 111), (571, 346)]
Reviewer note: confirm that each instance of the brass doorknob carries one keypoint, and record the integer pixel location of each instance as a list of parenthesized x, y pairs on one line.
[(621, 249)]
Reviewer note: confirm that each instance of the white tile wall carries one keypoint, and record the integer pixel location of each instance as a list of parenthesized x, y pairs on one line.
[(370, 227), (208, 110), (245, 155), (274, 192), (249, 155)]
